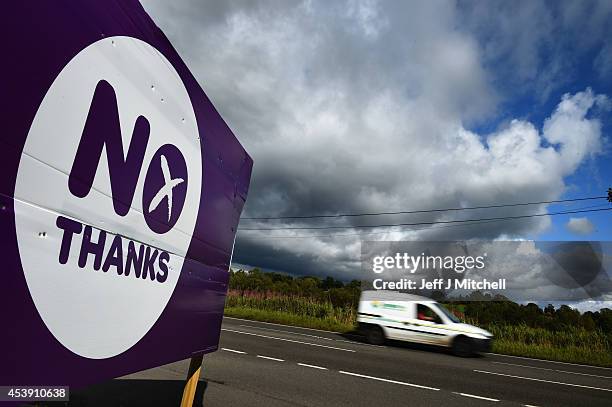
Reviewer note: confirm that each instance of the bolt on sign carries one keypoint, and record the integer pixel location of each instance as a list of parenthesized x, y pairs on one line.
[(120, 195)]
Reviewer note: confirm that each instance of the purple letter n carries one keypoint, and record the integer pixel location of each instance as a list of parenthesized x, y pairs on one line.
[(102, 129)]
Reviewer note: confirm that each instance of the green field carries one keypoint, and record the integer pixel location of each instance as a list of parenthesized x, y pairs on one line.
[(571, 344)]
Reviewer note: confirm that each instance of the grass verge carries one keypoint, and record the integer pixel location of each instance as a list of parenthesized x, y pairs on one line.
[(285, 318)]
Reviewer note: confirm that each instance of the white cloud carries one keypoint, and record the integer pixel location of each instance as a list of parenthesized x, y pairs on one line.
[(580, 226), (591, 305), (576, 135)]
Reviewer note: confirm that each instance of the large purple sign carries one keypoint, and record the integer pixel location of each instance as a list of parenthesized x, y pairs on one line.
[(120, 195)]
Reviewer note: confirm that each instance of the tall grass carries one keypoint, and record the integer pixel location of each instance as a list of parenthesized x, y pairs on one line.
[(572, 344), (575, 345), (292, 305)]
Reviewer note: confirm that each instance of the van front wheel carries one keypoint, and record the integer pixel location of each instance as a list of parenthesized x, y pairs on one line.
[(375, 335), (462, 346)]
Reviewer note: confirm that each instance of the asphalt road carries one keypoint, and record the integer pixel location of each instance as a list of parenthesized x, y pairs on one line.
[(260, 364)]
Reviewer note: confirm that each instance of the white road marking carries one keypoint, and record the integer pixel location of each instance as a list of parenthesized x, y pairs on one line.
[(312, 366), (388, 380), (288, 340), (270, 358), (308, 335), (288, 332), (489, 353), (360, 343), (529, 405), (234, 351), (475, 396), (550, 361), (554, 370), (542, 380)]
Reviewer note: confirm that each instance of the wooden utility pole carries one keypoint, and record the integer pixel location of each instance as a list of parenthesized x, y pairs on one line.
[(191, 383)]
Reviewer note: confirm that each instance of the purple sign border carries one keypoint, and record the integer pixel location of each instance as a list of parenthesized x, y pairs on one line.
[(40, 39)]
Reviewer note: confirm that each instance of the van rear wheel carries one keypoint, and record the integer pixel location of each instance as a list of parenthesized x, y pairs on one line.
[(375, 335), (463, 347)]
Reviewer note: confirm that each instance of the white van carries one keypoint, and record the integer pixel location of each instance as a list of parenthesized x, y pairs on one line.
[(405, 317)]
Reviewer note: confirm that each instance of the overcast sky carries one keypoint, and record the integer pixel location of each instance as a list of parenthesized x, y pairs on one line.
[(366, 106)]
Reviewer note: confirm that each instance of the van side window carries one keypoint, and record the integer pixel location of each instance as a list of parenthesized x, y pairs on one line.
[(424, 313)]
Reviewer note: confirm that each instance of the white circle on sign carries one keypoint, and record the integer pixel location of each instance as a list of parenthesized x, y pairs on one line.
[(94, 313)]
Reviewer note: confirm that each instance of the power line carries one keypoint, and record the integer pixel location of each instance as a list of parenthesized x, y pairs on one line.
[(348, 215), (411, 230), (373, 233), (429, 223)]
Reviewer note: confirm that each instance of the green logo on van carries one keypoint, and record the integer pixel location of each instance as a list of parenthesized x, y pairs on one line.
[(386, 305)]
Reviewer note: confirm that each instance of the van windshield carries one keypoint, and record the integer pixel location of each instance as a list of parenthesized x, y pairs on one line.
[(446, 312)]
